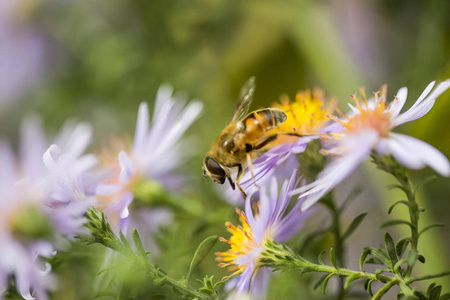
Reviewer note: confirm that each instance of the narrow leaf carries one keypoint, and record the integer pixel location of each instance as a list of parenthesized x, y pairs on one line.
[(435, 293), (319, 282), (320, 257), (333, 259), (390, 248), (396, 203), (421, 258), (396, 222), (362, 258), (369, 287), (203, 249), (351, 278), (325, 282), (401, 246), (355, 223), (430, 227), (138, 244), (124, 240)]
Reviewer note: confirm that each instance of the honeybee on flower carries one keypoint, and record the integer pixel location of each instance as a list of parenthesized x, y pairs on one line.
[(247, 136)]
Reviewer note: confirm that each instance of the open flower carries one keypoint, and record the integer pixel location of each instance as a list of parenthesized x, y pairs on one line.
[(157, 151), (306, 119), (269, 221), (25, 231), (368, 128)]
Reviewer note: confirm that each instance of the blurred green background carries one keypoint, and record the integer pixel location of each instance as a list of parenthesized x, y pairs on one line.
[(97, 60)]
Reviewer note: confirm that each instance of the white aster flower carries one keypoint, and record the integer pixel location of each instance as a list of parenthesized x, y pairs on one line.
[(368, 128), (156, 153)]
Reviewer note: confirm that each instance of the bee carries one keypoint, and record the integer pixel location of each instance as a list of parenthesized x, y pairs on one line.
[(240, 141)]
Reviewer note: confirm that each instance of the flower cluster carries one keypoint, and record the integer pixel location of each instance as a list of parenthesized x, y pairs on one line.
[(348, 141), (47, 190)]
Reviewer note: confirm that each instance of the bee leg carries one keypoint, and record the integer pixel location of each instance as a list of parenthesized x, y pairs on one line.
[(238, 177), (231, 183), (250, 167)]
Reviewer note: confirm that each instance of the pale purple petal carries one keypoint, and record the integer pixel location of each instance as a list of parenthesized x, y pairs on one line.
[(399, 102), (414, 153), (422, 105), (141, 126)]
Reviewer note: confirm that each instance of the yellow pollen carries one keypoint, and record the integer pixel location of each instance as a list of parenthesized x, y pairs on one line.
[(377, 118), (307, 114), (241, 243)]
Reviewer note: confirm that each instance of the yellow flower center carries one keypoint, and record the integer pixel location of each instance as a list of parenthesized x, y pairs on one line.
[(307, 115), (375, 118), (242, 243)]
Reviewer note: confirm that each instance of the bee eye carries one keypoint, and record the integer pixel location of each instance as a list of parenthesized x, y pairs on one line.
[(214, 168)]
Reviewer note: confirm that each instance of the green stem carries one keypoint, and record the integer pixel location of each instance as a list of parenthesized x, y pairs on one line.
[(102, 233), (151, 269), (280, 257), (414, 212)]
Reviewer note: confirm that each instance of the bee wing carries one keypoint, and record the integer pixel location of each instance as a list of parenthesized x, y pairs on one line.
[(245, 98)]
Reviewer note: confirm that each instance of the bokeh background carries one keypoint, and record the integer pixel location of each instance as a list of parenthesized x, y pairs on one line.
[(97, 60)]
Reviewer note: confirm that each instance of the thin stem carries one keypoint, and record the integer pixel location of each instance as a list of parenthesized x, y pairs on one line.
[(339, 243), (414, 212)]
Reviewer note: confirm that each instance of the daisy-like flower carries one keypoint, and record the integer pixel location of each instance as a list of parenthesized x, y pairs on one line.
[(269, 221), (307, 117), (157, 151), (368, 128), (25, 229)]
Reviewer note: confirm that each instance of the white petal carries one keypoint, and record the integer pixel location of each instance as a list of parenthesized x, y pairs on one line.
[(141, 126), (422, 106), (419, 153), (399, 102)]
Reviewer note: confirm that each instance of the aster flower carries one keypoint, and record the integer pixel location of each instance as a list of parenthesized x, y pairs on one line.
[(270, 221), (368, 128), (157, 151), (25, 230), (306, 116), (23, 49)]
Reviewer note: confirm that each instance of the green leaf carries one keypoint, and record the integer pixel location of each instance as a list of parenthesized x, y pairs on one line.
[(355, 223), (351, 278), (320, 257), (138, 244), (390, 248), (435, 293), (396, 222), (202, 250), (124, 240), (430, 227), (362, 258), (421, 258), (325, 282), (401, 246), (369, 287), (396, 203), (319, 282), (333, 259), (380, 257)]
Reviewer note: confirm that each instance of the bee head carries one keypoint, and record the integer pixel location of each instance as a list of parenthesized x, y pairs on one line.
[(214, 170)]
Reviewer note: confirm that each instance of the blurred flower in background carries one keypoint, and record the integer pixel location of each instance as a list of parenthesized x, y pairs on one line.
[(150, 166), (23, 49)]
